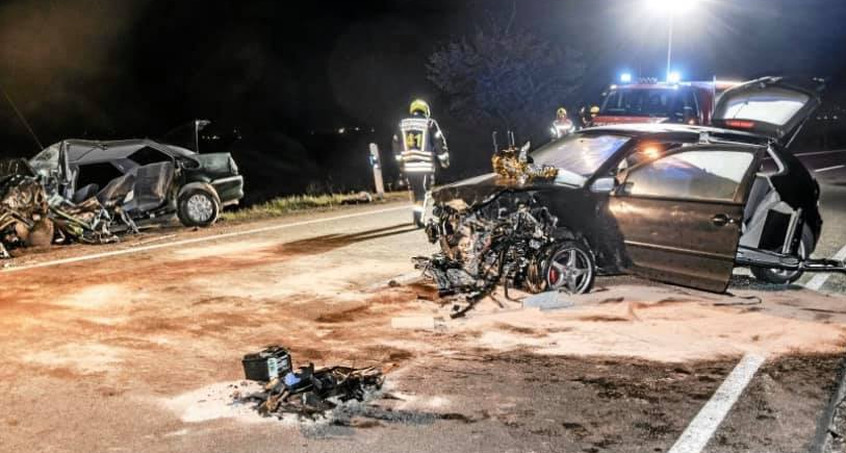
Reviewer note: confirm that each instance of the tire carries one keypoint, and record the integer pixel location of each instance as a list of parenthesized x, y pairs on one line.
[(781, 277), (198, 207), (568, 266)]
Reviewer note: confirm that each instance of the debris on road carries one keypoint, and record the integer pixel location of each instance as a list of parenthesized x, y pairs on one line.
[(550, 300), (491, 245), (29, 217), (307, 392)]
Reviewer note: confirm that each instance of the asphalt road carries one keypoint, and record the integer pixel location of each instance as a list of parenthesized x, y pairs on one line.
[(830, 169), (138, 348)]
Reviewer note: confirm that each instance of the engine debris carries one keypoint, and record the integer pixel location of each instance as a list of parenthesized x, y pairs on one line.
[(489, 245)]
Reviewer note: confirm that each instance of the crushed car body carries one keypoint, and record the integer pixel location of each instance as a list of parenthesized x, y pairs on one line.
[(151, 181), (675, 203), (89, 191)]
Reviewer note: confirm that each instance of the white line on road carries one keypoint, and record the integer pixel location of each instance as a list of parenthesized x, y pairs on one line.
[(817, 153), (819, 280), (830, 168), (233, 234), (702, 428)]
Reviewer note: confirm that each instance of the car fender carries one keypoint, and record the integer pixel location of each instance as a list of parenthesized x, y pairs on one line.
[(198, 185)]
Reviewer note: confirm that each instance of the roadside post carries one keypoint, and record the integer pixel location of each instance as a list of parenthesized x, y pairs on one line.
[(376, 163)]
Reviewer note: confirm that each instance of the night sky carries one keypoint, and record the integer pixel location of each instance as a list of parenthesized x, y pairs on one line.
[(280, 72)]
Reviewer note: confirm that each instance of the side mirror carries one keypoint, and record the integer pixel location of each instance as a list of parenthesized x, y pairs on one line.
[(604, 185)]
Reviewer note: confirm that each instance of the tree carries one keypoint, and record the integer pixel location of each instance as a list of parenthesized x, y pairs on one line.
[(499, 78)]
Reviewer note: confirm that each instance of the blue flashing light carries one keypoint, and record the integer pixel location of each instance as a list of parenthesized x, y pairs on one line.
[(625, 77)]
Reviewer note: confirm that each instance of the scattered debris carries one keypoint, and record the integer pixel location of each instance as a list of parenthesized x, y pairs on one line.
[(550, 300), (29, 217), (513, 164), (307, 392), (490, 245)]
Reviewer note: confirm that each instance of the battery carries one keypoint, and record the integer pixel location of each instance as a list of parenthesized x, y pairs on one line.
[(268, 364)]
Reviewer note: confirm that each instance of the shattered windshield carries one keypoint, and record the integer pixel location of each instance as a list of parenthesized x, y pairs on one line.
[(660, 102), (46, 160), (580, 156)]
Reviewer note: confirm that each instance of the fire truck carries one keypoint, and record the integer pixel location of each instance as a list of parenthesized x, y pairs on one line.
[(650, 101)]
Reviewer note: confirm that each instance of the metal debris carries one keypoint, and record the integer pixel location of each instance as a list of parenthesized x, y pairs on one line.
[(490, 245), (307, 392), (512, 163)]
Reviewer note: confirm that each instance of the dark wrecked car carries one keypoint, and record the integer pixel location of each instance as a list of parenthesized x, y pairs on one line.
[(148, 181), (674, 203)]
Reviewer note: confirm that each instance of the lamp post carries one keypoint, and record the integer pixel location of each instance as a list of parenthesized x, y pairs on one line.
[(672, 8)]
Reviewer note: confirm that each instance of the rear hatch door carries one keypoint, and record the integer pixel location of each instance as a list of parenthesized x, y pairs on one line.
[(769, 106)]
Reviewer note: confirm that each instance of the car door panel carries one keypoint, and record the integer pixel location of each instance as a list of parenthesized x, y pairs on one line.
[(679, 241), (687, 236)]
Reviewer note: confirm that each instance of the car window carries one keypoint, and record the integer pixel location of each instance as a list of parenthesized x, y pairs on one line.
[(147, 155), (579, 154), (99, 174), (712, 175), (774, 106), (660, 102)]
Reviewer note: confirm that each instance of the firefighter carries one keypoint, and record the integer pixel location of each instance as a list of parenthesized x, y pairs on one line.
[(418, 144), (562, 124)]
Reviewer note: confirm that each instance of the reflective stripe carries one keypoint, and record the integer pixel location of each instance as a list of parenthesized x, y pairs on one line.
[(420, 170)]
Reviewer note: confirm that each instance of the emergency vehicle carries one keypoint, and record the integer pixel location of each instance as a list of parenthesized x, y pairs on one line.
[(650, 101)]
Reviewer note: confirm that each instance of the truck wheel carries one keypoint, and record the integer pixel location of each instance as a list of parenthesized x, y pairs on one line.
[(569, 266), (197, 207), (782, 277)]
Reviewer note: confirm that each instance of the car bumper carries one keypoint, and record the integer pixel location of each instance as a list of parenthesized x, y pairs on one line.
[(230, 190)]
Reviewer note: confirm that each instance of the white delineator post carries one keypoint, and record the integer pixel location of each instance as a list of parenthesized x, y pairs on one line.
[(376, 163)]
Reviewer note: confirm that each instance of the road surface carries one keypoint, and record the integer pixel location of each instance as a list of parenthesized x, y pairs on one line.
[(138, 347)]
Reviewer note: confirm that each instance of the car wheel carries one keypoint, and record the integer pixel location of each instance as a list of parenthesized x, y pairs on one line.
[(779, 276), (197, 207), (569, 267)]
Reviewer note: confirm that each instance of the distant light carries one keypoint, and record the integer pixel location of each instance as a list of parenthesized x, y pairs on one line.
[(613, 87), (672, 6), (674, 77), (625, 77), (342, 130)]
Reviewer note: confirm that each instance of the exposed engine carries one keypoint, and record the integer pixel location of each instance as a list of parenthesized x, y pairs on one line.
[(502, 241)]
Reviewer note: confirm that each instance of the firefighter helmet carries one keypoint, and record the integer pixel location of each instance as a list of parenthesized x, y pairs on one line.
[(561, 113), (420, 106)]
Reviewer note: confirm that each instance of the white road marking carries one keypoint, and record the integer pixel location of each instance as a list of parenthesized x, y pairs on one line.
[(830, 168), (147, 248), (819, 280), (817, 153), (702, 428)]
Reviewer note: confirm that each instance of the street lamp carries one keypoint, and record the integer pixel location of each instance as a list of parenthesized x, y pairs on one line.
[(671, 8)]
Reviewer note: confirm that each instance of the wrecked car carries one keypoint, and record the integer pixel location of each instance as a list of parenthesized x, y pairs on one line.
[(675, 203), (149, 181)]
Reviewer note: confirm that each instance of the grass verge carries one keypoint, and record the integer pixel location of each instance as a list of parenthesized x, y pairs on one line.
[(299, 203)]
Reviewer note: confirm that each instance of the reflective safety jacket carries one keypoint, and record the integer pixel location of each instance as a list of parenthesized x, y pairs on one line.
[(416, 144), (562, 127)]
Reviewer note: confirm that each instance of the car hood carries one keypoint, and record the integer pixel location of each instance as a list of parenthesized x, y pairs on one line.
[(483, 188)]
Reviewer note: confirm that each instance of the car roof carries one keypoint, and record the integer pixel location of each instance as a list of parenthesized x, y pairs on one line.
[(687, 132), (92, 151)]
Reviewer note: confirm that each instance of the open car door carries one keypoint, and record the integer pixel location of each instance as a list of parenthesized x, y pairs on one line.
[(770, 106), (680, 215)]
